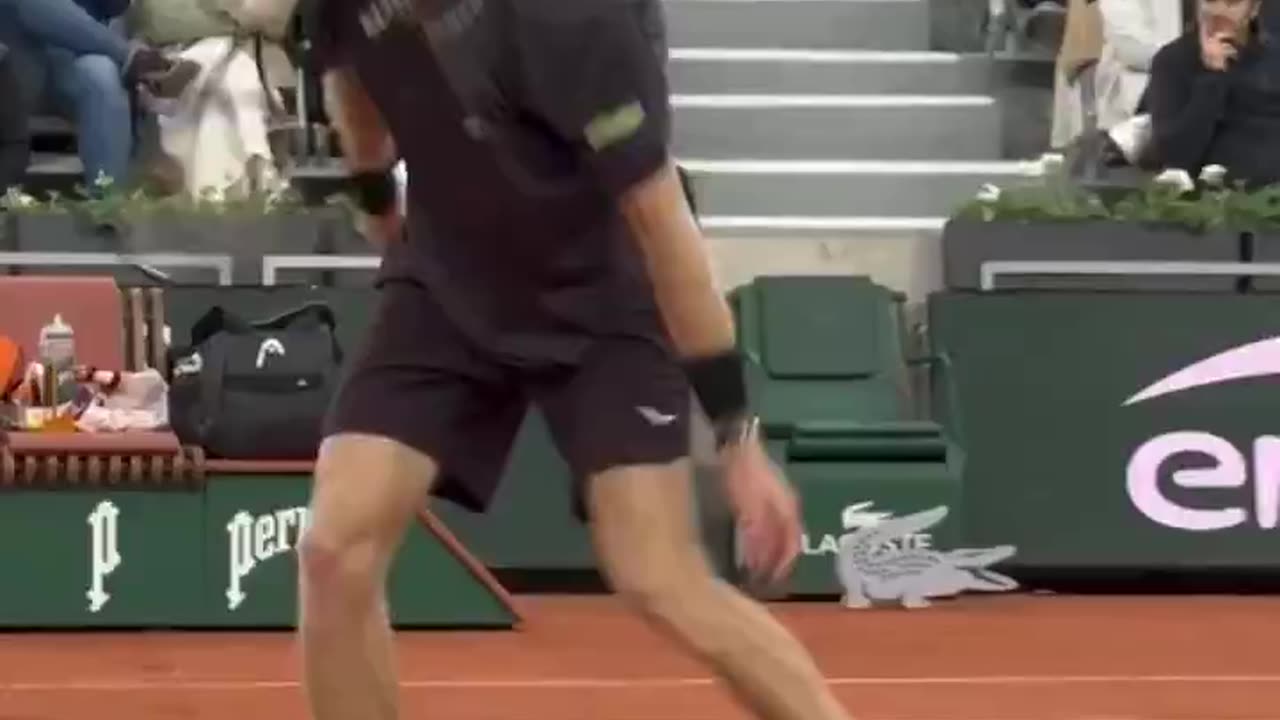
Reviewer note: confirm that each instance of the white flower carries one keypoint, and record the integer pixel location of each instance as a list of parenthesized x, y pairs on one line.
[(1213, 175), (1178, 180), (14, 199), (988, 194), (1052, 163)]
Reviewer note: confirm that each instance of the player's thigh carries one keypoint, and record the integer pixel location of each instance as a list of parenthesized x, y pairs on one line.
[(644, 528), (622, 422), (366, 492), (399, 415), (626, 404)]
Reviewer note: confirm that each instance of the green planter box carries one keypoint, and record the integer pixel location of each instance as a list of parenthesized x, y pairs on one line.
[(246, 238), (101, 559), (1265, 248), (71, 233), (967, 244), (1085, 415)]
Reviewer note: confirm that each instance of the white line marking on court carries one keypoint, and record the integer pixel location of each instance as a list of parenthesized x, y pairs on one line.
[(127, 685)]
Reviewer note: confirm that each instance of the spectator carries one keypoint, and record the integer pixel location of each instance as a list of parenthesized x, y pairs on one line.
[(1215, 95), (84, 61), (1074, 108), (1133, 32), (14, 147), (217, 138)]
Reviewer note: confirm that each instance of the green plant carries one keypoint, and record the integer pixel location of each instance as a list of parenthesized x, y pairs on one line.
[(16, 201), (1170, 198), (1257, 211), (106, 203), (1055, 198)]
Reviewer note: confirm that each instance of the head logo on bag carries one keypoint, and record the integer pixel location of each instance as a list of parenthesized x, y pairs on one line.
[(270, 346)]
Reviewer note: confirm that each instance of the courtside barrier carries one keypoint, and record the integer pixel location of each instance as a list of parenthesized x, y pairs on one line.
[(216, 554), (1118, 430)]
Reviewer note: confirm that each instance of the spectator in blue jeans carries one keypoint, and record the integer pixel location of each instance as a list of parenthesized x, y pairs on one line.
[(89, 68)]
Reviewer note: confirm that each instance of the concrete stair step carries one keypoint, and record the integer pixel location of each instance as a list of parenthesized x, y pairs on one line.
[(843, 189), (783, 71), (909, 127), (868, 24)]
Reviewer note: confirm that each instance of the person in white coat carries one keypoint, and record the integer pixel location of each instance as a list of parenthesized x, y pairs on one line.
[(1133, 31)]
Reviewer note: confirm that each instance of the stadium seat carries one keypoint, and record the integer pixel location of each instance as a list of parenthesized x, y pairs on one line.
[(823, 350), (829, 379)]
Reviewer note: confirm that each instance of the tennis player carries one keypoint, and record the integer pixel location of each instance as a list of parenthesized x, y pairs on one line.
[(550, 258)]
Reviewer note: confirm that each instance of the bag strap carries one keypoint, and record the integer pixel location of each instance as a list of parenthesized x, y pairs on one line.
[(214, 366), (315, 310), (214, 321)]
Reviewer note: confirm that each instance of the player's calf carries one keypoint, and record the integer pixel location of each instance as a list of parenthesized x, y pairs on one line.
[(650, 552)]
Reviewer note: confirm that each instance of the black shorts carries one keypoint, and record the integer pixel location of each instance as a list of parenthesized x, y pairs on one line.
[(420, 382)]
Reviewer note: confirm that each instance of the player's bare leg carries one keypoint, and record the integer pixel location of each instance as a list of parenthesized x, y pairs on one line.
[(366, 492), (646, 538)]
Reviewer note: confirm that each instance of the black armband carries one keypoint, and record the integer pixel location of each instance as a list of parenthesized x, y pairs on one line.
[(720, 383), (374, 191)]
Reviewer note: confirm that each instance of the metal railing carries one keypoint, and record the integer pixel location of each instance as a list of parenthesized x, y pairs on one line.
[(992, 269), (221, 264), (273, 264)]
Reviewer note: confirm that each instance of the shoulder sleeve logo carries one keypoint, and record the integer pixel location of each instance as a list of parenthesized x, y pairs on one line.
[(612, 127)]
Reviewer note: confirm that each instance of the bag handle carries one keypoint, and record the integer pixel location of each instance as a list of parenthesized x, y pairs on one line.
[(315, 309), (219, 319)]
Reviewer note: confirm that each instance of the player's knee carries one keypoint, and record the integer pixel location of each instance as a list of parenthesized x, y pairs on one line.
[(336, 570), (663, 591)]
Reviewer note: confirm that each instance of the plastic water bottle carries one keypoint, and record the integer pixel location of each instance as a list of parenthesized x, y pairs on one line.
[(57, 355)]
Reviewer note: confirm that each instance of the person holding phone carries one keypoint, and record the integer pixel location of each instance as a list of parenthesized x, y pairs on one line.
[(1215, 95)]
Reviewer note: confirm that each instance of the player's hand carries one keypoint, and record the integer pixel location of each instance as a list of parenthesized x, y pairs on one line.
[(1217, 50), (766, 509), (382, 230)]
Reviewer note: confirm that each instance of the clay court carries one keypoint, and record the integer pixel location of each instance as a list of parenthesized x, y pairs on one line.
[(580, 658)]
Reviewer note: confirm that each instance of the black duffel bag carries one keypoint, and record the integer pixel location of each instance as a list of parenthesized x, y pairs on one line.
[(256, 390)]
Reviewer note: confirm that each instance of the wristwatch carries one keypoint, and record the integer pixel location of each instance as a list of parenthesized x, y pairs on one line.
[(736, 431)]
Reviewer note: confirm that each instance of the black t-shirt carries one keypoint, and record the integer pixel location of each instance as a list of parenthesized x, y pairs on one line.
[(1203, 117), (520, 123)]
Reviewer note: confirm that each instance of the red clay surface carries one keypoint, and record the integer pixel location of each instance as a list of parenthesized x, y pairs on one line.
[(980, 658)]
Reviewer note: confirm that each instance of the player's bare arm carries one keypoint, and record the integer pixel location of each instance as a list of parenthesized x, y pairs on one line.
[(701, 327), (695, 312), (369, 151)]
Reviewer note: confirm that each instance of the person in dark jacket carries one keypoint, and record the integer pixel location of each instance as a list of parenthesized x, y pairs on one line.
[(14, 145), (1214, 96), (88, 69)]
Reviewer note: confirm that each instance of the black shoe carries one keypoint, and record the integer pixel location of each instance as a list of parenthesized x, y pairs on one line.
[(143, 62), (1045, 26), (165, 79), (171, 83)]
